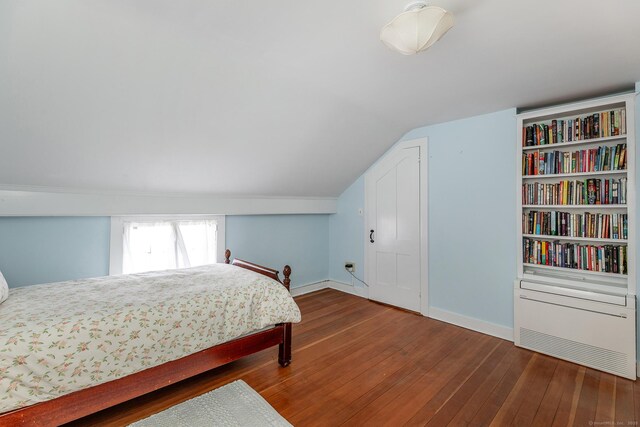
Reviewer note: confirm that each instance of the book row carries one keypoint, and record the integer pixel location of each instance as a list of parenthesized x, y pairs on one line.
[(592, 160), (605, 258), (597, 125), (589, 225), (608, 191)]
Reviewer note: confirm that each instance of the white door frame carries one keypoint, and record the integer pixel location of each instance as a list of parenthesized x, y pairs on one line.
[(424, 215)]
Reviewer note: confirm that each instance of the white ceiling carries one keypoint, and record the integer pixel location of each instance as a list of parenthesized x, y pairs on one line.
[(280, 98)]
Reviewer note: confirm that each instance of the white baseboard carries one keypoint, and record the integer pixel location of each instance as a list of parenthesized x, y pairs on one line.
[(472, 323), (349, 288), (435, 313), (309, 287), (330, 284)]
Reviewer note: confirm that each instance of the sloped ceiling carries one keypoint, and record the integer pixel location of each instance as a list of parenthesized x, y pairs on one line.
[(280, 98)]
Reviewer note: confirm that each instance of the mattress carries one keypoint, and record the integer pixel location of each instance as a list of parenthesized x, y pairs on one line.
[(61, 337)]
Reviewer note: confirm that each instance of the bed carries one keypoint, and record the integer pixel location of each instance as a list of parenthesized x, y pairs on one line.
[(70, 349)]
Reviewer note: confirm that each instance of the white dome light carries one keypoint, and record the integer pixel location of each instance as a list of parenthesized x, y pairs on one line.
[(417, 28)]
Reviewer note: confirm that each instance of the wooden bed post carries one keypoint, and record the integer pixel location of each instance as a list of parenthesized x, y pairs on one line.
[(287, 272), (284, 353), (227, 255)]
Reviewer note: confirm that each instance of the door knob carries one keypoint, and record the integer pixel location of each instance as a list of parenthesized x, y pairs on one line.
[(371, 236)]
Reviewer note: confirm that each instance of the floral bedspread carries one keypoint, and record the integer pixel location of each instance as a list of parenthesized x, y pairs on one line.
[(61, 337)]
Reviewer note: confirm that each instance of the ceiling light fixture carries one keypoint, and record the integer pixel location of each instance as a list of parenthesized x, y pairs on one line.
[(417, 28)]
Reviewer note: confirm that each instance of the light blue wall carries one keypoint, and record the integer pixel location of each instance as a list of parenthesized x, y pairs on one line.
[(302, 241), (346, 228), (472, 227), (51, 249)]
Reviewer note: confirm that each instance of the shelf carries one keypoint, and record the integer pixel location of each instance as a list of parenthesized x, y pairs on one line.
[(575, 239), (604, 292), (577, 315), (562, 279), (581, 207), (573, 143), (574, 270), (577, 174)]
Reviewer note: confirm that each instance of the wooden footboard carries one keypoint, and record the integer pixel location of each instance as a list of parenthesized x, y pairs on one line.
[(284, 352), (93, 399)]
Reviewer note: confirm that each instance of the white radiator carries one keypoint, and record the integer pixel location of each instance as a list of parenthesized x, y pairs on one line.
[(592, 333)]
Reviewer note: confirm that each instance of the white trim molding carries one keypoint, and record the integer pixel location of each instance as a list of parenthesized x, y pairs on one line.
[(330, 284), (43, 201), (308, 288), (472, 323), (359, 291)]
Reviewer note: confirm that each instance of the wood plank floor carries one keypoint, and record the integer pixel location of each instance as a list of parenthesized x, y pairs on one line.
[(358, 363)]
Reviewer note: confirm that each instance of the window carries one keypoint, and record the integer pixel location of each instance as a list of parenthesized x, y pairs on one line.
[(141, 244)]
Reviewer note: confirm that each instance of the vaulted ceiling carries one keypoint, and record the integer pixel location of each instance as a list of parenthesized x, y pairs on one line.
[(282, 98)]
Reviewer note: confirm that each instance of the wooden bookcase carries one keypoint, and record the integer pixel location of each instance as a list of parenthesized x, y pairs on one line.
[(568, 301)]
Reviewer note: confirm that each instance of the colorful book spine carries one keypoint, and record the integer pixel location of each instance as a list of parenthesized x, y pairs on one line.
[(599, 258), (598, 125), (608, 191), (583, 225), (597, 159)]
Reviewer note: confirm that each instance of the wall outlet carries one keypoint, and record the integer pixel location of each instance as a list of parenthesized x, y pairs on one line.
[(350, 266)]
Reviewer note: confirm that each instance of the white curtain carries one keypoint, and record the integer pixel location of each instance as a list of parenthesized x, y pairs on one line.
[(164, 245)]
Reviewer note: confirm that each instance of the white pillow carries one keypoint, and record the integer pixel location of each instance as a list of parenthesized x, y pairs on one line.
[(4, 289)]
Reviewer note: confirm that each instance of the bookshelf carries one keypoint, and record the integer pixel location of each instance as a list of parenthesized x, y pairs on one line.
[(574, 295)]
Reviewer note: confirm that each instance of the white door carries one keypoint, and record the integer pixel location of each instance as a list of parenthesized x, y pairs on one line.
[(393, 228)]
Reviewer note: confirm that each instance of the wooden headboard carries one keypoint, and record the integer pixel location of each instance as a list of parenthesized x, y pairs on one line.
[(266, 271)]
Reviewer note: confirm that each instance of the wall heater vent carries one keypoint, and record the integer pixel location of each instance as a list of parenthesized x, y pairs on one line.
[(597, 357)]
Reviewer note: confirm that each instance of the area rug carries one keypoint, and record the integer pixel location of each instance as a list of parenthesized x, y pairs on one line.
[(235, 404)]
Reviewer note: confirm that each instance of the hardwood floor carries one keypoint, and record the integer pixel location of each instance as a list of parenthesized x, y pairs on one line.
[(358, 363)]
